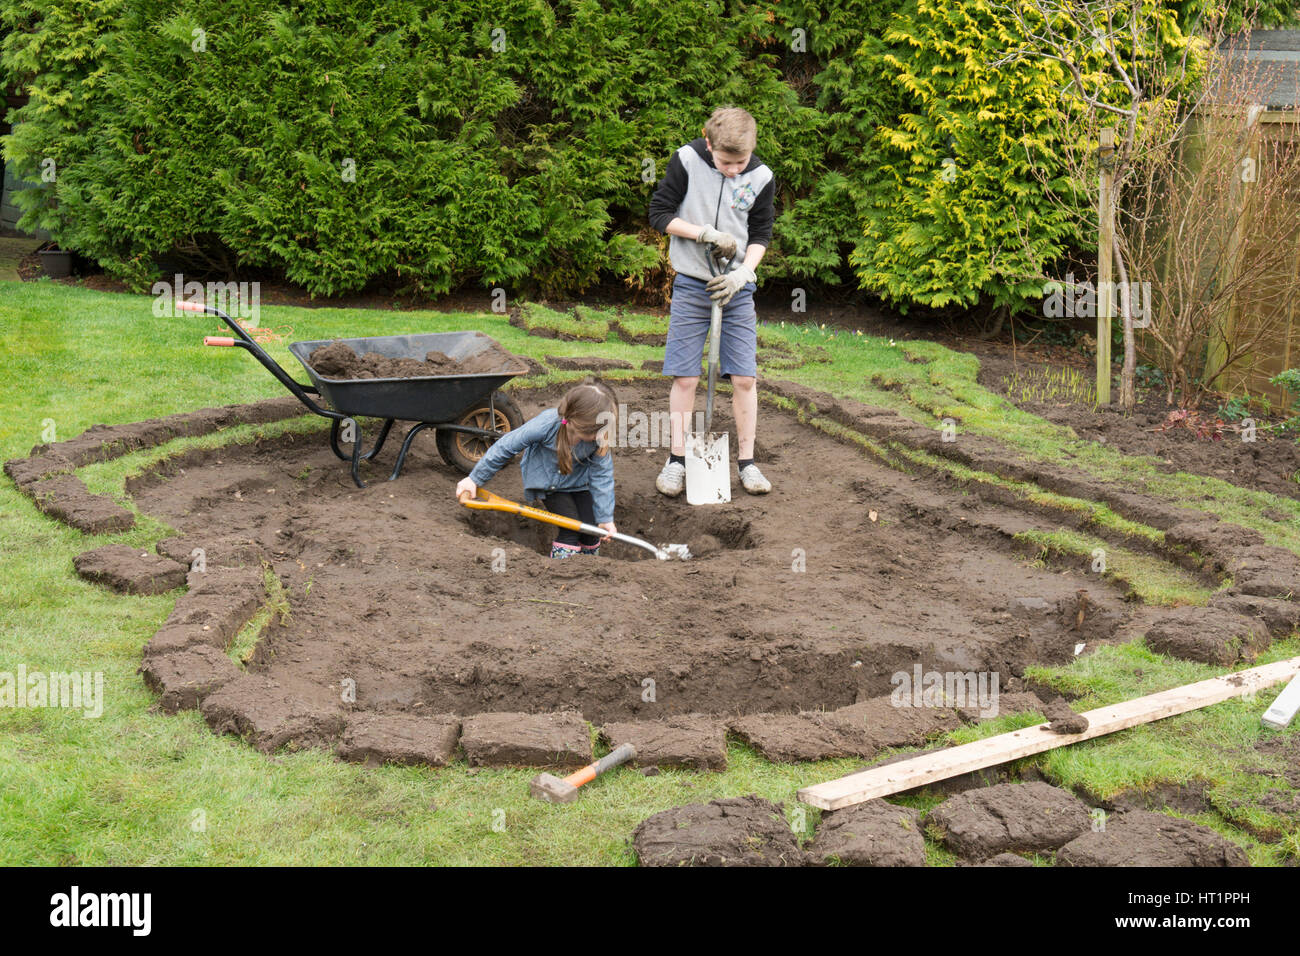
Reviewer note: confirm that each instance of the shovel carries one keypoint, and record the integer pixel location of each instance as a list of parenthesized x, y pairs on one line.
[(487, 501), (708, 454)]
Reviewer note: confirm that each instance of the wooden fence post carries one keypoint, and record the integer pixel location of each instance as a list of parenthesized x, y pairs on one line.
[(1105, 252)]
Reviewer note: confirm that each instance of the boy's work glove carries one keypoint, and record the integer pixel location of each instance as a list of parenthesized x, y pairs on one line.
[(725, 241), (723, 287)]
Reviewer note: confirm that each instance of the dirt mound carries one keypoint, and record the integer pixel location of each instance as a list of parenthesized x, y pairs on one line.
[(740, 831), (340, 361), (1023, 817), (1141, 838), (874, 833)]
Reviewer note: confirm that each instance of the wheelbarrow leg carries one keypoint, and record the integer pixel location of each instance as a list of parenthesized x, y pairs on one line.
[(406, 446), (356, 460), (334, 438), (357, 457), (379, 442)]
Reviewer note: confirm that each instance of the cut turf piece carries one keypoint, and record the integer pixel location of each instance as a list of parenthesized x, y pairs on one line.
[(65, 498), (693, 742), (1207, 634), (185, 678), (549, 324), (739, 831), (641, 329), (1020, 817), (1142, 838), (886, 724), (1266, 572), (28, 471), (106, 442), (875, 833), (217, 604), (269, 716), (408, 739), (785, 738), (526, 740), (1279, 616), (585, 363), (128, 570)]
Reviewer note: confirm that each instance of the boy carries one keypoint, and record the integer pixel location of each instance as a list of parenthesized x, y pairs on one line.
[(714, 191)]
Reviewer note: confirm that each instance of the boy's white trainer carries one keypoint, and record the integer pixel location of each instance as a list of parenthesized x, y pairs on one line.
[(672, 480), (754, 481)]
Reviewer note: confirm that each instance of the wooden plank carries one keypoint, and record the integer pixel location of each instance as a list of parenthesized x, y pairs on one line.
[(942, 764), (1284, 708)]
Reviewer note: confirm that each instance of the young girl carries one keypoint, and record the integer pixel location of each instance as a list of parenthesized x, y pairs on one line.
[(566, 462)]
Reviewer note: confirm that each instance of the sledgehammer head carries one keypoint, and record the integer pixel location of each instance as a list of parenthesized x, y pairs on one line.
[(549, 787)]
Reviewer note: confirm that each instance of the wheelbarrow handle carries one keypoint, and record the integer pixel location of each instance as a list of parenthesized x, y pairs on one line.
[(245, 341), (490, 502)]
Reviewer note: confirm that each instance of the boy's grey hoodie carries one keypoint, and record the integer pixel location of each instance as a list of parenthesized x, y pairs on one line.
[(693, 189)]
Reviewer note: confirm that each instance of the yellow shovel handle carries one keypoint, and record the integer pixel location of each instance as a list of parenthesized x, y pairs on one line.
[(487, 501)]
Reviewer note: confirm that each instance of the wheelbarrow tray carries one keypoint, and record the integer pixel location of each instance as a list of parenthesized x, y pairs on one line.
[(425, 398)]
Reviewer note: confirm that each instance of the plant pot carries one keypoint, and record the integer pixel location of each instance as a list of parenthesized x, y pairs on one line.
[(57, 263)]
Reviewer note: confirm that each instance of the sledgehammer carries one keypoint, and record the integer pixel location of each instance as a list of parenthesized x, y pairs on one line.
[(552, 789)]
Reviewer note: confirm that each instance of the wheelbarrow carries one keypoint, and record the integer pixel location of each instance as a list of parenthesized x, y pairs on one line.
[(467, 411)]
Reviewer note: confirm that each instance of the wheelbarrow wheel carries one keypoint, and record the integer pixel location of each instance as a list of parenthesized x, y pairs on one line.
[(461, 449)]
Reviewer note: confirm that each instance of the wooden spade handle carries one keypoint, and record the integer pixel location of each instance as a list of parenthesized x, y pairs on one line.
[(487, 501)]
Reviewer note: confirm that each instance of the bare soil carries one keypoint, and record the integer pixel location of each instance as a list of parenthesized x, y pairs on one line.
[(1269, 462), (796, 601)]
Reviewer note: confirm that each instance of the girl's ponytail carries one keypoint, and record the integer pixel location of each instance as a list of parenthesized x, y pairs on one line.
[(563, 444)]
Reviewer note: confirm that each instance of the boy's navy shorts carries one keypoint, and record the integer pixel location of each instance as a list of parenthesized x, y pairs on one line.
[(688, 330)]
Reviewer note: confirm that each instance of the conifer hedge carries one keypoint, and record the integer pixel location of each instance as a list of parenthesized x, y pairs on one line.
[(513, 142)]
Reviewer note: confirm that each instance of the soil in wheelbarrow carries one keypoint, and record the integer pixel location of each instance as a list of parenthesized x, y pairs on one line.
[(810, 597), (341, 361)]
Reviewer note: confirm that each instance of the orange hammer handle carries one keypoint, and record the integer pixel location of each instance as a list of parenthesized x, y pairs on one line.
[(620, 754), (579, 777)]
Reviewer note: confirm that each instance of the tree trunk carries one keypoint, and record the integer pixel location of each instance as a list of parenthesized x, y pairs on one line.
[(999, 317), (1128, 376)]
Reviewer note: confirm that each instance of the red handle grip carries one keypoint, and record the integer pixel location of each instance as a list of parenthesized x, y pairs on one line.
[(190, 307), (224, 340)]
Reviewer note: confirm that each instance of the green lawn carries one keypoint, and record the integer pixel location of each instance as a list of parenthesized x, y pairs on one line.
[(133, 787)]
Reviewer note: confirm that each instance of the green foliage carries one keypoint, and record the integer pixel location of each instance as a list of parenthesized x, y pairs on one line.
[(949, 185), (1235, 409), (1149, 376), (510, 143), (1289, 380)]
